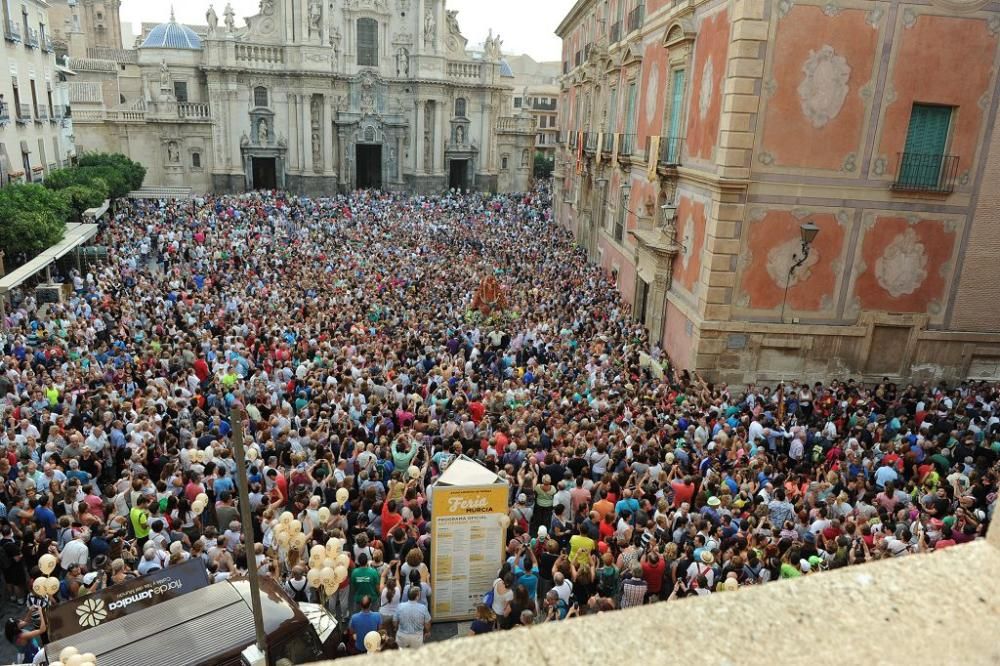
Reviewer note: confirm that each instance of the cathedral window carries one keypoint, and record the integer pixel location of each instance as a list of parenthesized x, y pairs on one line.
[(367, 42)]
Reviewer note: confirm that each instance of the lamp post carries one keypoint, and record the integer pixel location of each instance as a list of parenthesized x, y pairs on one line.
[(808, 233), (245, 517)]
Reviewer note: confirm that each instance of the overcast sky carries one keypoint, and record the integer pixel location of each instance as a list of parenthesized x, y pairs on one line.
[(526, 26)]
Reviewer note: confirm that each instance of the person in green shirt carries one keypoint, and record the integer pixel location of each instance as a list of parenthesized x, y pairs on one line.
[(364, 580), (139, 515)]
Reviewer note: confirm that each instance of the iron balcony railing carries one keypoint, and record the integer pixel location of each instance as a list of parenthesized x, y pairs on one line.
[(616, 32), (635, 16), (918, 172), (41, 115), (4, 112), (608, 143), (626, 145), (47, 44), (31, 38), (669, 151), (590, 141), (24, 114), (11, 32)]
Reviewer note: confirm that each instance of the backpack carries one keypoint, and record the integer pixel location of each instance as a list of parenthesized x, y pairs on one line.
[(491, 595), (298, 595), (607, 581)]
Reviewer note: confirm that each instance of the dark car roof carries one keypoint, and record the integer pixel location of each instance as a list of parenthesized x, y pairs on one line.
[(197, 628)]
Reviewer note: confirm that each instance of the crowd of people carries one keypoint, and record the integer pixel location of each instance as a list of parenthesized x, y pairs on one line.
[(343, 329)]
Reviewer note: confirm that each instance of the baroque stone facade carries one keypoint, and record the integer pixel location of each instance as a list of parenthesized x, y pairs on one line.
[(699, 137), (313, 97)]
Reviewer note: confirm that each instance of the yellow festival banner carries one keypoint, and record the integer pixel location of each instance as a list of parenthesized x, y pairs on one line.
[(614, 148), (467, 541), (600, 144), (654, 156)]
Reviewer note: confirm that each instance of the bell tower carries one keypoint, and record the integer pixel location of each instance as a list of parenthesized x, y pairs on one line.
[(101, 23)]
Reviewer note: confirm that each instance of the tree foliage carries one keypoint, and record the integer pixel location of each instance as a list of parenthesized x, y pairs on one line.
[(82, 197), (133, 172), (32, 218), (543, 166)]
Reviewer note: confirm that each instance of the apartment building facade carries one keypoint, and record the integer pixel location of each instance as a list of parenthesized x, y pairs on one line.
[(536, 91), (35, 127), (703, 139)]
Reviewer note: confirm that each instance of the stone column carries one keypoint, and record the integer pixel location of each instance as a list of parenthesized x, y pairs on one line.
[(305, 110), (417, 145), (328, 136), (291, 113), (438, 141)]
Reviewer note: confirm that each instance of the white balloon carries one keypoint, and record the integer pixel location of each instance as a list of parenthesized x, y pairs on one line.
[(373, 641), (67, 652), (47, 563)]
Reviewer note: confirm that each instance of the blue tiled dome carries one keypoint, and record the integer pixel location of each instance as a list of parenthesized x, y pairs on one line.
[(171, 35), (505, 70)]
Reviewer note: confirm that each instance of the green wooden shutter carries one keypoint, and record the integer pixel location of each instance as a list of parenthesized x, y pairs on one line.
[(676, 111), (926, 140)]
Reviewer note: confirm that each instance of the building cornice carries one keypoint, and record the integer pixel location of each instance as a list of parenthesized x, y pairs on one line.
[(571, 18)]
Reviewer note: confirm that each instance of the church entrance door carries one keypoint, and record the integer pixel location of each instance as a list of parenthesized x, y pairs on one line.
[(369, 166), (264, 174)]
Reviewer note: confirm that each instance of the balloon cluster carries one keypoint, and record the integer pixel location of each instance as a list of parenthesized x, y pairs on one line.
[(199, 504), (70, 656), (288, 532), (204, 456), (46, 586), (328, 566)]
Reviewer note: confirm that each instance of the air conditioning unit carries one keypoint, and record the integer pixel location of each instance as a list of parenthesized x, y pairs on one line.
[(49, 293)]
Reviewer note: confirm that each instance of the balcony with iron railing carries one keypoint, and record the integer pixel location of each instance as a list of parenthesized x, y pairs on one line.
[(636, 16), (31, 38), (668, 152), (590, 141), (47, 44), (616, 32), (573, 139), (608, 143), (916, 172), (11, 32), (41, 115), (626, 145), (24, 114), (4, 113)]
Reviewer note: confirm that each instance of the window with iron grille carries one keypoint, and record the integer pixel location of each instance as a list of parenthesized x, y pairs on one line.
[(367, 42), (260, 96), (460, 107)]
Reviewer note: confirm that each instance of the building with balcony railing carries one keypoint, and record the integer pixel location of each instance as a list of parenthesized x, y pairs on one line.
[(318, 108), (29, 141), (724, 129), (536, 92)]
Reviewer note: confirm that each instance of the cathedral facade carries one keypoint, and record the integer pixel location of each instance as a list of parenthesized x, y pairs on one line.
[(310, 96)]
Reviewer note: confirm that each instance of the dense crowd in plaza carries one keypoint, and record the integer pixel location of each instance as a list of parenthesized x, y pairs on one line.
[(344, 329)]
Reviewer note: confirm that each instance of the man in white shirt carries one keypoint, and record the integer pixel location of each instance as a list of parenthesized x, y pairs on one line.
[(76, 552)]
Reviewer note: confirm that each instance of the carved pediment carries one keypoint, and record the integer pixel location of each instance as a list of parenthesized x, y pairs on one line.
[(630, 55), (680, 31)]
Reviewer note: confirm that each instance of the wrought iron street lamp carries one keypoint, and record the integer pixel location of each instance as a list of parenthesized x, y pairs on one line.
[(808, 232)]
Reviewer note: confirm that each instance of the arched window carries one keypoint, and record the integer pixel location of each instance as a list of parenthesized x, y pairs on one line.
[(460, 107), (367, 42), (260, 96), (196, 160)]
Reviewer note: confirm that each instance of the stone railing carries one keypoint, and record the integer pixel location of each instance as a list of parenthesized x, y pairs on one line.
[(193, 111), (259, 54), (464, 70), (860, 604), (509, 124), (122, 116), (88, 115)]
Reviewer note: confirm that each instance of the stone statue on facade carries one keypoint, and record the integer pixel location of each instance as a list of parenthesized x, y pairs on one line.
[(212, 19), (172, 155), (491, 47), (335, 43), (262, 131), (459, 135), (452, 17), (230, 18), (402, 62), (266, 7), (429, 27), (315, 17), (367, 101), (164, 75)]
